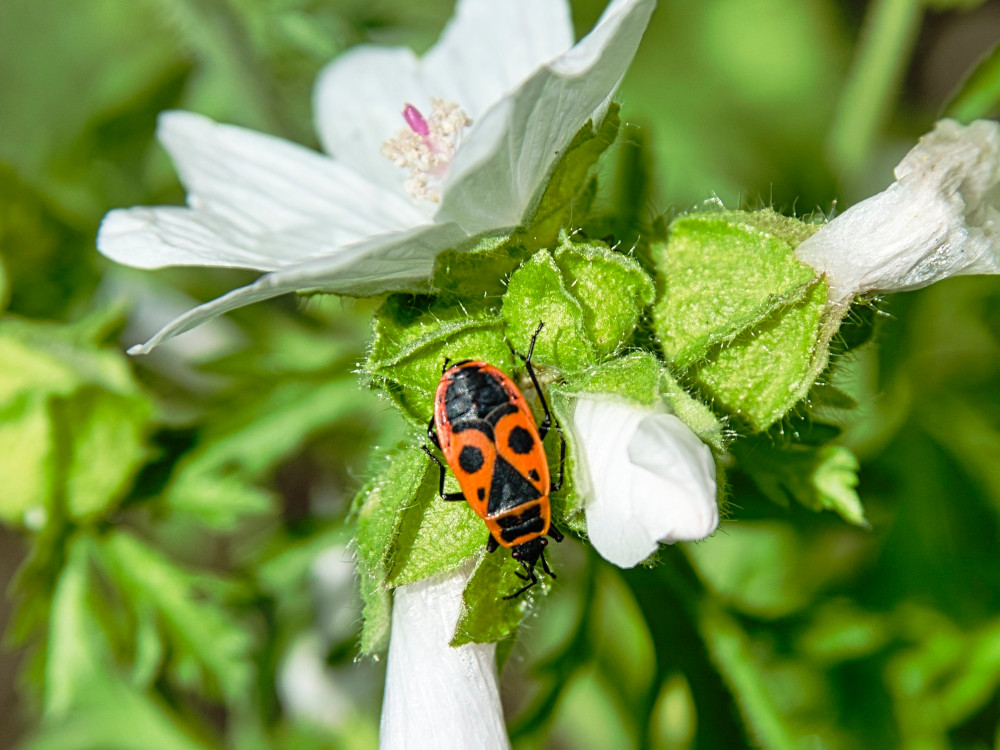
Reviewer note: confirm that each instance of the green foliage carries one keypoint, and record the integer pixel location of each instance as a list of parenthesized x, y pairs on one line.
[(979, 94), (74, 424)]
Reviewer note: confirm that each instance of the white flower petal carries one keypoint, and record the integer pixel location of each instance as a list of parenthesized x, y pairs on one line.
[(501, 164), (397, 261), (438, 697), (940, 218), (645, 478), (489, 47), (256, 202), (257, 181), (359, 99)]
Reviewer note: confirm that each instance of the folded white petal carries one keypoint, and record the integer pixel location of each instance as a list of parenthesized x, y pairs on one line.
[(397, 261), (940, 218), (438, 697), (644, 476), (502, 163)]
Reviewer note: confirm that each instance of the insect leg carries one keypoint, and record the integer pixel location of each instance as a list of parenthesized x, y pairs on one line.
[(432, 435), (555, 533), (543, 428), (545, 566), (449, 496), (531, 577), (491, 543), (555, 486)]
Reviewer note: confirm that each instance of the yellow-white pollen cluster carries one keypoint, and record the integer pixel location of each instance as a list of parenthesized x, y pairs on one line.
[(427, 146)]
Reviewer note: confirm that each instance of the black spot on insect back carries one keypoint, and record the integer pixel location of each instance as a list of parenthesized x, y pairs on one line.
[(470, 459), (520, 441)]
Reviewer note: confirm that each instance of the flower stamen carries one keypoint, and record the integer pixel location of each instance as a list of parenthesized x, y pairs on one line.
[(427, 147)]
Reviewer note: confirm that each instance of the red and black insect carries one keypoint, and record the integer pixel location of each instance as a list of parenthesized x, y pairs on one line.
[(484, 428)]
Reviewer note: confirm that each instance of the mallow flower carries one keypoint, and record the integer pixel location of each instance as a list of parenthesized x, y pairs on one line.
[(424, 154), (437, 696), (644, 478), (940, 218)]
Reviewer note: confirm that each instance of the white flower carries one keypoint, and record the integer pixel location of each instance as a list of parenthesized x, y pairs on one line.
[(940, 218), (438, 697), (644, 477), (373, 215)]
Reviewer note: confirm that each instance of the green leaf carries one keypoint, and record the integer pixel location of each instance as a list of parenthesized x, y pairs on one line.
[(764, 372), (979, 94), (78, 655), (560, 204), (822, 477), (4, 287), (414, 336), (86, 417), (623, 645), (536, 294), (215, 482), (611, 288), (380, 508), (737, 658), (486, 616), (117, 717), (723, 272), (207, 646), (26, 461)]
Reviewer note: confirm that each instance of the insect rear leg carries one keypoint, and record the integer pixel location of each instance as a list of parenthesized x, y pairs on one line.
[(492, 543), (449, 496)]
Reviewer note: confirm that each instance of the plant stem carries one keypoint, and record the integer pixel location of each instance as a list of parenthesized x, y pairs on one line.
[(887, 40)]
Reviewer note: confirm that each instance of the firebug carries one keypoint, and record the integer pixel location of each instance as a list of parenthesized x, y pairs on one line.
[(484, 428)]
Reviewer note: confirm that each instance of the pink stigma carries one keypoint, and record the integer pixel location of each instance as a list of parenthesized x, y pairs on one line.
[(416, 121)]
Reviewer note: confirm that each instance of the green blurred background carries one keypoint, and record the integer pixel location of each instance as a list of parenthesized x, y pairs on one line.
[(182, 583)]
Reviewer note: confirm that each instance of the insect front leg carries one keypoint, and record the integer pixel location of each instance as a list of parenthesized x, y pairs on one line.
[(531, 578), (449, 496)]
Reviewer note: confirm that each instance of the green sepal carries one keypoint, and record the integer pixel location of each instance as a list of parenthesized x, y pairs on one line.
[(486, 616), (723, 272), (434, 536), (481, 272), (568, 188), (764, 372), (414, 336), (378, 510), (819, 477), (536, 294), (611, 288)]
